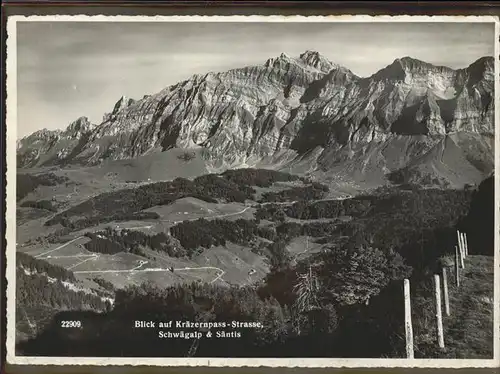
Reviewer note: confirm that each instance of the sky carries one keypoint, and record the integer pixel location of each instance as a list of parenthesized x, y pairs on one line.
[(66, 70)]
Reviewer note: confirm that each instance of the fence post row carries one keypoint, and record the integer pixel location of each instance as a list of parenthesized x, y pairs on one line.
[(461, 251)]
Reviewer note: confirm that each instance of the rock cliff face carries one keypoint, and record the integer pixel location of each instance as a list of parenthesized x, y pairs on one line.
[(294, 107), (53, 147)]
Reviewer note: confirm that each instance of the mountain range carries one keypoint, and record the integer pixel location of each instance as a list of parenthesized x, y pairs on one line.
[(411, 122)]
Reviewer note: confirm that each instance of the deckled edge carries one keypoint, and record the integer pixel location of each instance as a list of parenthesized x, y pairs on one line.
[(11, 140), (254, 18), (10, 185)]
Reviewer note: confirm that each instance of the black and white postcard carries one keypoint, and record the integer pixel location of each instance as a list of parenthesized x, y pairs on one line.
[(252, 191)]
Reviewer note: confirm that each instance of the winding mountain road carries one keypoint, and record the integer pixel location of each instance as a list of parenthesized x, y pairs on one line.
[(142, 263), (95, 257), (211, 217), (138, 269), (58, 248)]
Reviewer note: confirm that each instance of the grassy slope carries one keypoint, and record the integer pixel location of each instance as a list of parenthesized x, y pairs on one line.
[(115, 174), (459, 159), (449, 160), (468, 331)]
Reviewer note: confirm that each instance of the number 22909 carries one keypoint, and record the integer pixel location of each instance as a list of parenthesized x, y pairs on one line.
[(70, 324)]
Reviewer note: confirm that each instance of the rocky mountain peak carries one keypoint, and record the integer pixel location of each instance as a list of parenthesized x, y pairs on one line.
[(121, 104), (77, 128), (413, 65), (44, 133), (317, 60), (340, 75), (279, 61), (41, 136), (308, 59), (291, 105), (483, 67), (402, 68), (487, 62)]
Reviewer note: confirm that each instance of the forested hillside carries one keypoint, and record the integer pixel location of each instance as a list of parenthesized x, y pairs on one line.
[(480, 221), (43, 290)]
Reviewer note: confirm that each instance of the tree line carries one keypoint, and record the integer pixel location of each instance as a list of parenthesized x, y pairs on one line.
[(27, 183), (259, 177), (40, 204), (126, 204), (36, 290), (71, 224), (315, 191), (388, 201), (33, 264), (479, 223), (111, 241), (40, 289), (207, 233)]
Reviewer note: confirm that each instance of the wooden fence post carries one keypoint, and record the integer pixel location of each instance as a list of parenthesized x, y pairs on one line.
[(466, 244), (463, 244), (457, 269), (460, 247), (439, 317), (445, 293), (408, 324)]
